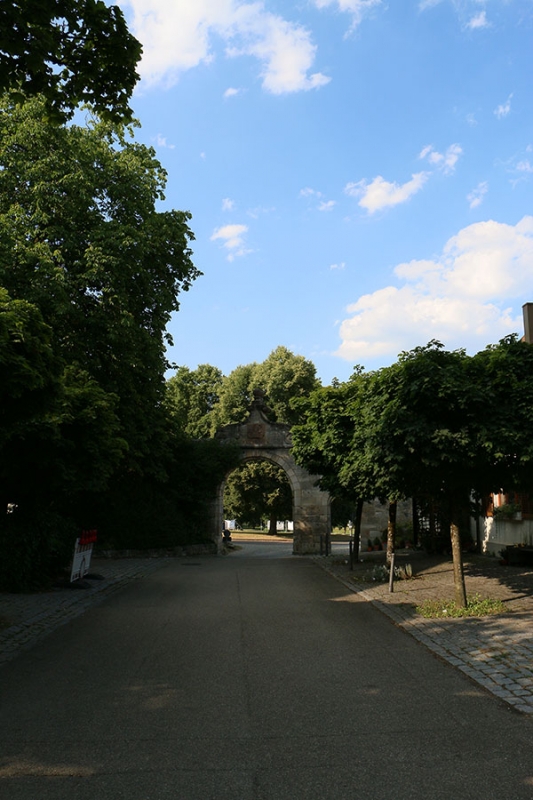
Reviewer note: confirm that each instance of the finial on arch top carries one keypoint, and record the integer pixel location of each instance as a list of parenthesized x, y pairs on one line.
[(259, 396), (259, 403)]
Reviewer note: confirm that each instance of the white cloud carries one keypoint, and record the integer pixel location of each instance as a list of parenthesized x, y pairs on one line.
[(231, 92), (381, 194), (308, 192), (504, 109), (357, 8), (327, 205), (341, 265), (161, 141), (478, 21), (524, 166), (259, 211), (461, 298), (428, 4), (475, 198), (446, 161), (178, 36), (227, 204), (232, 239)]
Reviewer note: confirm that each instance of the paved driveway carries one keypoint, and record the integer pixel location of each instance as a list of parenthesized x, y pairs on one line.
[(249, 678)]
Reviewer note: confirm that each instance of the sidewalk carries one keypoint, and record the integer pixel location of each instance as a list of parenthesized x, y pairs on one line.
[(25, 619), (495, 651)]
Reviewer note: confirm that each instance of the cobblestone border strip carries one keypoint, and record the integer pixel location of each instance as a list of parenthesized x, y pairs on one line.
[(57, 608), (483, 648)]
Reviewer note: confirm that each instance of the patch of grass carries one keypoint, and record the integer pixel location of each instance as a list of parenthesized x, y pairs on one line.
[(475, 607), (4, 623)]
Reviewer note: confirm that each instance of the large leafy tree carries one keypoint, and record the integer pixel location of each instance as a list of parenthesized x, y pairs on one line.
[(426, 430), (91, 272), (192, 397), (416, 428), (285, 377), (331, 419), (81, 239), (69, 52), (59, 442), (235, 396)]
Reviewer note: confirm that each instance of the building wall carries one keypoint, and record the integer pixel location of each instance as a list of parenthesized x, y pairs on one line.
[(376, 515), (496, 534)]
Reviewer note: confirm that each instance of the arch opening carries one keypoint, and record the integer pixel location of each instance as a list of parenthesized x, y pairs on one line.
[(256, 492)]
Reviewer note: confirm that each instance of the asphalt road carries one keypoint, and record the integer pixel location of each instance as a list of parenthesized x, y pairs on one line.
[(250, 677)]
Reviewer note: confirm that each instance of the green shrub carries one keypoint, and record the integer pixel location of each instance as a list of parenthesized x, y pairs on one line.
[(34, 549)]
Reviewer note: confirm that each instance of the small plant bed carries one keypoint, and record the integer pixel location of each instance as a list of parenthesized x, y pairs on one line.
[(380, 574), (475, 607)]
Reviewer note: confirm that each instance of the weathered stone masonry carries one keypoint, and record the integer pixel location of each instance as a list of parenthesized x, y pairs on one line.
[(260, 439)]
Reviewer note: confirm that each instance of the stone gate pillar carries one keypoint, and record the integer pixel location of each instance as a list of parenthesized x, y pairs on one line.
[(311, 514)]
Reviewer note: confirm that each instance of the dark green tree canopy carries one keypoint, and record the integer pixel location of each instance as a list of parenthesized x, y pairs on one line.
[(504, 373), (29, 369), (81, 239), (235, 397), (69, 52), (192, 397)]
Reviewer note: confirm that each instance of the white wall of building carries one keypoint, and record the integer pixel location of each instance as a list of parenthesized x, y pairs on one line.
[(496, 533)]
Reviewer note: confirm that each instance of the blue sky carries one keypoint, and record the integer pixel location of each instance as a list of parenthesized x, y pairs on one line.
[(359, 172)]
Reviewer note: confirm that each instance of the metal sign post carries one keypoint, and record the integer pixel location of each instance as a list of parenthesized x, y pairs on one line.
[(391, 576)]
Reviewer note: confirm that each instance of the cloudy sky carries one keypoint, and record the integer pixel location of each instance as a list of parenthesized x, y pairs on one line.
[(359, 172)]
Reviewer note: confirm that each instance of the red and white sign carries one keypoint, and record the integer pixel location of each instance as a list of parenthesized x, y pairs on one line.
[(83, 551)]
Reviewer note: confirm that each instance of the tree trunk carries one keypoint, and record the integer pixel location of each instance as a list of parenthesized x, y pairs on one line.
[(357, 529), (272, 528), (391, 530), (458, 572)]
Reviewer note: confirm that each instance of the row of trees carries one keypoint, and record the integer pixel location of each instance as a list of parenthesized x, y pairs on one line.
[(437, 424), (90, 273)]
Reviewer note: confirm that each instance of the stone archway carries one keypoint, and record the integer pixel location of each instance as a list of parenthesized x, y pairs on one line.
[(260, 439)]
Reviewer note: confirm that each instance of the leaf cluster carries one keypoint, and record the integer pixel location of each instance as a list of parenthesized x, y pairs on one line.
[(69, 52)]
